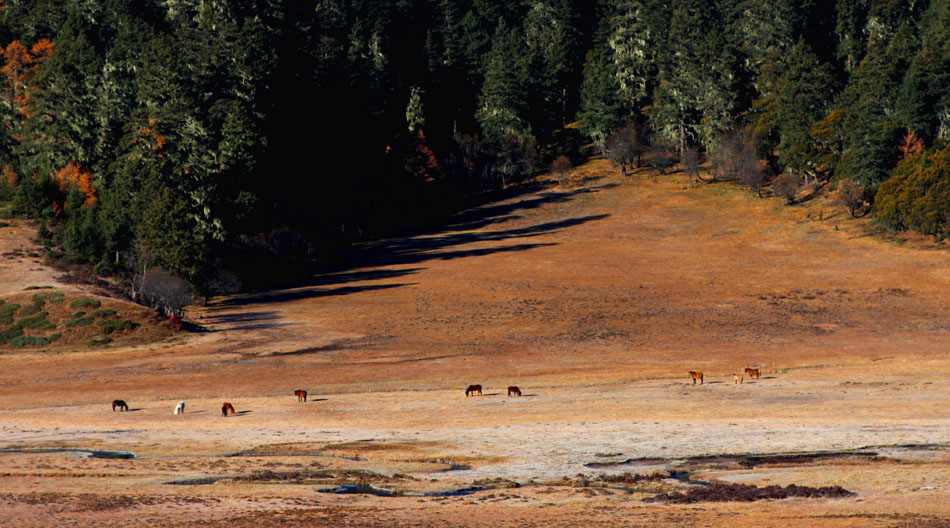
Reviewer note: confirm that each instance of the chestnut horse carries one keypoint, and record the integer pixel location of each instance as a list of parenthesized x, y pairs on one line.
[(225, 407), (514, 390), (180, 408), (753, 373), (301, 395), (472, 389), (696, 376), (739, 378), (120, 404)]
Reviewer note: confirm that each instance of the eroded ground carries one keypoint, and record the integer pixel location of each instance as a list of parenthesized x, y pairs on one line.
[(596, 300)]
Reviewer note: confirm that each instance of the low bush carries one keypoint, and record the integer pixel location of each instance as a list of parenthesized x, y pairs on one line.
[(6, 313), (32, 309), (79, 314), (37, 321), (10, 333), (85, 303), (102, 314), (115, 325), (100, 342), (22, 341), (53, 297), (84, 321)]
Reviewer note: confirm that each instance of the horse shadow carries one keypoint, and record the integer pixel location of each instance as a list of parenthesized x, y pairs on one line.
[(711, 382), (317, 399), (769, 377), (241, 413), (135, 409), (492, 394)]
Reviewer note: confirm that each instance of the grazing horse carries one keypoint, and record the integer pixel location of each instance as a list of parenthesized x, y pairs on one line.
[(472, 389), (739, 378), (225, 407), (514, 390), (753, 373), (301, 395), (696, 376), (120, 404), (180, 408)]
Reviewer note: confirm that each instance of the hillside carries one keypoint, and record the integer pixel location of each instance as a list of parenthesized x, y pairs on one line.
[(595, 299)]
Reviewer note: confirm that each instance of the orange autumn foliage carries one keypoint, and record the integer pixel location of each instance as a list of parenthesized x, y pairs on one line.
[(422, 160), (75, 175), (910, 146), (11, 177), (19, 66), (154, 137)]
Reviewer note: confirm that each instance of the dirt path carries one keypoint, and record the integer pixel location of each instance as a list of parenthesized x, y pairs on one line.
[(596, 301)]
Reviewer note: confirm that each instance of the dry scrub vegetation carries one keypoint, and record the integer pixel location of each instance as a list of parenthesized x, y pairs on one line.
[(595, 298)]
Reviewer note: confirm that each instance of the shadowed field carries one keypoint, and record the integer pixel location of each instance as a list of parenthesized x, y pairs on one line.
[(595, 300)]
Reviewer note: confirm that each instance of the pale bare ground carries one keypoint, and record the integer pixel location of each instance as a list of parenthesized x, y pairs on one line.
[(596, 300)]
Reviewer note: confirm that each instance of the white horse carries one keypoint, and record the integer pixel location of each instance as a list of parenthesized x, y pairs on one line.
[(180, 408)]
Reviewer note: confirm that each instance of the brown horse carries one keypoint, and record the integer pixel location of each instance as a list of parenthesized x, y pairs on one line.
[(696, 376), (120, 404), (514, 390), (753, 373), (301, 395), (472, 389), (225, 407)]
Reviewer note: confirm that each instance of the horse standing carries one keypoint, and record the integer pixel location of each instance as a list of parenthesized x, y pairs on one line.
[(514, 390), (696, 376), (301, 395), (472, 389), (120, 404), (753, 373), (739, 378), (225, 407), (180, 408)]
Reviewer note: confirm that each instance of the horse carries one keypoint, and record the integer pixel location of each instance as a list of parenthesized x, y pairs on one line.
[(225, 407), (739, 378), (696, 376), (180, 408), (301, 395), (514, 390), (753, 373), (472, 389), (120, 404)]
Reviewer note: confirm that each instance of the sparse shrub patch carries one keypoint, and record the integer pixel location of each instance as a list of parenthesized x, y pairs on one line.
[(37, 321), (6, 313), (83, 321), (103, 313), (38, 288), (85, 303), (22, 341), (100, 342), (115, 325), (32, 309), (10, 333), (79, 314), (52, 297)]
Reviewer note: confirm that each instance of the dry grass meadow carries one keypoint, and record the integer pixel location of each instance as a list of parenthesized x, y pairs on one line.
[(595, 299)]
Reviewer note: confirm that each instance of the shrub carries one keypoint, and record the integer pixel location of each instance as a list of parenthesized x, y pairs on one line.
[(54, 337), (38, 288), (100, 342), (4, 224), (103, 313), (85, 321), (37, 321), (85, 303), (79, 314), (23, 341), (10, 333), (917, 196), (32, 309), (6, 313), (53, 297), (115, 325)]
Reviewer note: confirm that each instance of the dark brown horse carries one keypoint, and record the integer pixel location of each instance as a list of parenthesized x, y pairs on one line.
[(120, 404), (753, 373), (301, 395), (225, 407), (514, 391), (696, 376), (472, 389)]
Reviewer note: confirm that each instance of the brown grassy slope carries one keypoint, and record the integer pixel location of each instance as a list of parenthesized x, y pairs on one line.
[(614, 280)]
